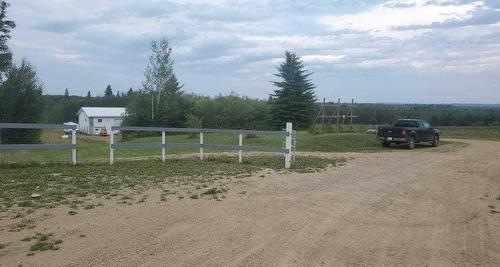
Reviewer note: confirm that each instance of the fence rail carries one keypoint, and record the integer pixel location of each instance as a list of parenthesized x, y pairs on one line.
[(195, 130), (286, 151), (71, 146), (36, 146), (36, 126)]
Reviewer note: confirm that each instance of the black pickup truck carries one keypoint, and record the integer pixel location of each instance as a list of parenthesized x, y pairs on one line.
[(408, 131)]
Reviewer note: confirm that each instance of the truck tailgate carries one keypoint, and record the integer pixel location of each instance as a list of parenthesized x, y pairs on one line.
[(395, 132)]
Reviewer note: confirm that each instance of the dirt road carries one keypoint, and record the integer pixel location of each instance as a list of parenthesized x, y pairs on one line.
[(430, 206)]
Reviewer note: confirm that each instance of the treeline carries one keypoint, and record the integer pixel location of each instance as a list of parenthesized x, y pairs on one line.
[(238, 112), (188, 110), (63, 108), (230, 111), (439, 115)]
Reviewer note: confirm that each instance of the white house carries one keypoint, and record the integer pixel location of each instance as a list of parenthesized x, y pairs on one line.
[(92, 120)]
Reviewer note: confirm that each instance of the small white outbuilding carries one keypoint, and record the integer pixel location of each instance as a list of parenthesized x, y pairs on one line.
[(93, 120)]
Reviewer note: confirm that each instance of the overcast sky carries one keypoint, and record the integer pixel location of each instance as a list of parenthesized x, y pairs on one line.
[(417, 51)]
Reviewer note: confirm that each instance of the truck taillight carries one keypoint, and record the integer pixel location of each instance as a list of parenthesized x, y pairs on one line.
[(403, 132)]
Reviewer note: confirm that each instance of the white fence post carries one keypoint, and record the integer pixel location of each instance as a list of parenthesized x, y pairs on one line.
[(240, 149), (201, 145), (73, 150), (163, 146), (111, 142), (288, 145)]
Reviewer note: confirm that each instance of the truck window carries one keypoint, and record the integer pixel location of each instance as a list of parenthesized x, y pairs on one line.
[(427, 125), (404, 123)]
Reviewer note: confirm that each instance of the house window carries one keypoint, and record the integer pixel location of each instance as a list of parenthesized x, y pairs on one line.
[(99, 120)]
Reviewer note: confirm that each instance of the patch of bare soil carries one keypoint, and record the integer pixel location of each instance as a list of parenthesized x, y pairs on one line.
[(406, 208)]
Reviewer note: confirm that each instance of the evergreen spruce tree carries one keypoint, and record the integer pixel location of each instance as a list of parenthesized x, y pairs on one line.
[(294, 99), (67, 113), (21, 101), (5, 27), (108, 92), (88, 100)]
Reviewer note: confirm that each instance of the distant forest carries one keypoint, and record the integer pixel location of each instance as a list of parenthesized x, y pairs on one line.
[(439, 115), (233, 111)]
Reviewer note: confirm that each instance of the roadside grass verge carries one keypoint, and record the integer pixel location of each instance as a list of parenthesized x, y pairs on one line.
[(49, 185)]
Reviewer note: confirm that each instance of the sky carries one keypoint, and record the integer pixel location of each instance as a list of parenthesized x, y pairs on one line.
[(401, 51)]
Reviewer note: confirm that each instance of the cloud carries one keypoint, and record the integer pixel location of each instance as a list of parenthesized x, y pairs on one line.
[(318, 59), (381, 20), (241, 41), (65, 55)]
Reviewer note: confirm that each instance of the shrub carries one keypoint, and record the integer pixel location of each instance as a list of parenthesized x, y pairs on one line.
[(193, 121)]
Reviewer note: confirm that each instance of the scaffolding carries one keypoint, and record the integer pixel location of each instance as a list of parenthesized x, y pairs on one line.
[(336, 117)]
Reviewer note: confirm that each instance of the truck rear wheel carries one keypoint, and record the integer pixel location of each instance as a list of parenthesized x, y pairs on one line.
[(435, 141), (411, 142)]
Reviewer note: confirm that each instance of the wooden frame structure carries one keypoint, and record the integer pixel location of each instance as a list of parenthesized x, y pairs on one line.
[(335, 117)]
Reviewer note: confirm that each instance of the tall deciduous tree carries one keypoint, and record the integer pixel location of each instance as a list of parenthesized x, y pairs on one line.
[(21, 101), (5, 27), (294, 100), (160, 80)]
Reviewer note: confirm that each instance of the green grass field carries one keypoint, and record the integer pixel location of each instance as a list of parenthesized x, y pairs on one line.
[(478, 133), (96, 149)]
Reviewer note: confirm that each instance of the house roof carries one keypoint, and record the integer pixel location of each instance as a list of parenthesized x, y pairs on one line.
[(102, 112)]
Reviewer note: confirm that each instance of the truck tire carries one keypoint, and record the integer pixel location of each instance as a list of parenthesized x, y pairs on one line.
[(411, 143), (386, 144), (435, 141)]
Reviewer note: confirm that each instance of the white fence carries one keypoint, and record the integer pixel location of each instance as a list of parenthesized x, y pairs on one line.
[(71, 146), (286, 133)]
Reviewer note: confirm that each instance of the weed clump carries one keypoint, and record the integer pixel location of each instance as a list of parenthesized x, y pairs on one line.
[(44, 242), (211, 191), (89, 206)]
